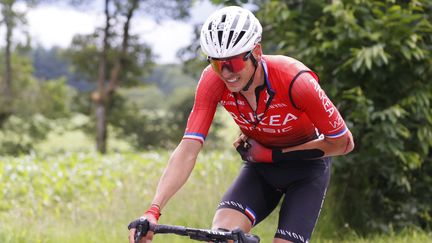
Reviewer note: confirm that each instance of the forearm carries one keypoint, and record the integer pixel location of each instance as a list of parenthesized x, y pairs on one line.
[(178, 170), (328, 146), (251, 150)]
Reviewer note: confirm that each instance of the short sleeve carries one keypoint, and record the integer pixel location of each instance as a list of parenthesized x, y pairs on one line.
[(309, 97), (207, 96)]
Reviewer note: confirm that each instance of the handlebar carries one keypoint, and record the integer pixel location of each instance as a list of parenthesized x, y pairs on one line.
[(237, 235)]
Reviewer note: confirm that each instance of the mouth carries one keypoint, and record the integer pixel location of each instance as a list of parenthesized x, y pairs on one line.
[(233, 80)]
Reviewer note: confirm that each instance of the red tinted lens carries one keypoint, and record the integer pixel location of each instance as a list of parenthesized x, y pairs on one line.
[(234, 64)]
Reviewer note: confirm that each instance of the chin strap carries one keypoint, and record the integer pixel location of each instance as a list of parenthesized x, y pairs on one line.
[(249, 83)]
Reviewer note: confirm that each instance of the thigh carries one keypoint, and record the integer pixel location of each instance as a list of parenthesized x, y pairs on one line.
[(301, 206), (250, 195)]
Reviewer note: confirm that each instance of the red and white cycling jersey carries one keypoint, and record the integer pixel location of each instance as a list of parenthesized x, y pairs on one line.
[(291, 109)]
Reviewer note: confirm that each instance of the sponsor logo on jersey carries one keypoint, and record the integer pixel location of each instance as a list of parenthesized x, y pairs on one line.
[(335, 121), (227, 103), (327, 104), (266, 129), (272, 120), (241, 103)]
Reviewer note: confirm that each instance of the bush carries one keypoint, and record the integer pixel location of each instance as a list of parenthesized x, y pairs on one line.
[(19, 135), (147, 126)]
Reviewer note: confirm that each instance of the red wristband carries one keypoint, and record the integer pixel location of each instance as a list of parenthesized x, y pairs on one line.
[(155, 211)]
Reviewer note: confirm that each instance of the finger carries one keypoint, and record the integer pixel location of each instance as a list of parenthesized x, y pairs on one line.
[(148, 238), (237, 142), (240, 140), (243, 137), (131, 236)]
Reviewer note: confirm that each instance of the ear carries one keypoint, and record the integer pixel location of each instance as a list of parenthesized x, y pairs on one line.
[(257, 52)]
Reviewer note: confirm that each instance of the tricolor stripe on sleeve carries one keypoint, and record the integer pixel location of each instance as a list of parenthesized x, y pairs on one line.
[(336, 135), (195, 136)]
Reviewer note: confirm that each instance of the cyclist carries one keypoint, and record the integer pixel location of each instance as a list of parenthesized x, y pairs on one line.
[(289, 131)]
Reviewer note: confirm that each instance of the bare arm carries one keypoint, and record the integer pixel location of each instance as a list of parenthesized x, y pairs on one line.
[(330, 146), (179, 167), (251, 150)]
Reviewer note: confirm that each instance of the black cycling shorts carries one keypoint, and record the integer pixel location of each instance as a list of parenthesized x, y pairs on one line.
[(259, 187)]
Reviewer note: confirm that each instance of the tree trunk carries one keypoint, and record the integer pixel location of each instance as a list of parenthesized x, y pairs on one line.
[(101, 126), (118, 66), (101, 99), (7, 86), (8, 66), (105, 95)]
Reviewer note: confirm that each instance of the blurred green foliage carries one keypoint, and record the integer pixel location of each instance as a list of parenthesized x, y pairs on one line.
[(146, 116), (19, 135), (374, 59), (35, 108), (87, 197), (158, 123), (83, 54)]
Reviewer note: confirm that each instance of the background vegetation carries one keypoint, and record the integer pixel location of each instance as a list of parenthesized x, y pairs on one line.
[(374, 60), (87, 197)]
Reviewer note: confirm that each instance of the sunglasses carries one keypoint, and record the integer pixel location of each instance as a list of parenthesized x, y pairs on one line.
[(234, 64)]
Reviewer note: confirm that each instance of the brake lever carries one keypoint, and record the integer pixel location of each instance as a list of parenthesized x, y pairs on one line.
[(141, 229), (240, 235)]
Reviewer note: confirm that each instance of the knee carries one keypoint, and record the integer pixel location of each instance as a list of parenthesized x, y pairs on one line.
[(229, 219)]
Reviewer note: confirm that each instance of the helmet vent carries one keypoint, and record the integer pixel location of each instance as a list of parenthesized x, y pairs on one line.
[(247, 24), (230, 37), (220, 33), (223, 18), (234, 24), (239, 37)]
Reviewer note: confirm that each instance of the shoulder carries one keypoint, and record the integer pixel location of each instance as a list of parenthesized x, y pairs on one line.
[(284, 63), (285, 67), (210, 84), (209, 79), (209, 76)]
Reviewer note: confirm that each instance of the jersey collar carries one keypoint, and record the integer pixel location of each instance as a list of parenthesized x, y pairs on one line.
[(266, 79)]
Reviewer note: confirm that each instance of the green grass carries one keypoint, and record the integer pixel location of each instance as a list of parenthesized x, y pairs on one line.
[(85, 197)]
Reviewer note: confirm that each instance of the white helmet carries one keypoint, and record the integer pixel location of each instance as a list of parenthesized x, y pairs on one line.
[(230, 31)]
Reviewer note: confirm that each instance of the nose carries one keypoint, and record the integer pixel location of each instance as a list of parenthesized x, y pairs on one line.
[(226, 73)]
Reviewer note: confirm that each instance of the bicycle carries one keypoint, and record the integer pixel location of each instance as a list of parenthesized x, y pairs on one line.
[(237, 235)]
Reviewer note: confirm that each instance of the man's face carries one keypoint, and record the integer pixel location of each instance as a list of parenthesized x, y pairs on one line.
[(234, 71)]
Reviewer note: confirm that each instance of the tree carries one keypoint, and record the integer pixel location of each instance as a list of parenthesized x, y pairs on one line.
[(10, 19), (118, 63)]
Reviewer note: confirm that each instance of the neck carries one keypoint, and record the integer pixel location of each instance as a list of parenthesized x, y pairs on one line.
[(258, 80)]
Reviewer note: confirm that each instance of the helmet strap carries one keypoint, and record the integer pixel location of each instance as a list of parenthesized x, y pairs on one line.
[(249, 83)]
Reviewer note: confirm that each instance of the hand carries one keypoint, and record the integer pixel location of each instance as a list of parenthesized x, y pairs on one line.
[(241, 140), (252, 151), (152, 215)]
